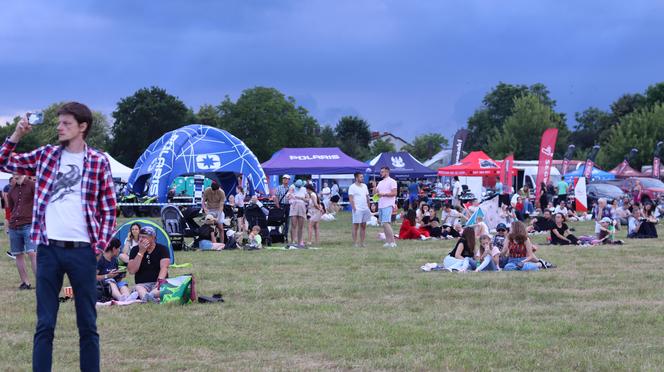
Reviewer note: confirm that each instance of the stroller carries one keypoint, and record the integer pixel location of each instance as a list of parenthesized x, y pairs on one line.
[(466, 194), (276, 219), (178, 227), (255, 216)]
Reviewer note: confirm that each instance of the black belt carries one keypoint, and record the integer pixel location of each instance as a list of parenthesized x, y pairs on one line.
[(63, 244)]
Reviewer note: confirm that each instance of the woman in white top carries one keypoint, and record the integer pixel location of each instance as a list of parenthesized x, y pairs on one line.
[(239, 204), (298, 199), (130, 242)]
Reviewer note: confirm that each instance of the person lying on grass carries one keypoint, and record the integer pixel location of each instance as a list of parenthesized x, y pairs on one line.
[(108, 271), (148, 262), (461, 257), (489, 256), (543, 223), (208, 235)]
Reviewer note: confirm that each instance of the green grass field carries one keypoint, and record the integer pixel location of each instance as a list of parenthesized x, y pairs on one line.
[(372, 309)]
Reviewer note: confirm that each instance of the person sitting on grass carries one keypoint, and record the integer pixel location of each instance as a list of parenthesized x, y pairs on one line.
[(208, 235), (435, 230), (423, 211), (489, 255), (130, 242), (148, 262), (480, 227), (560, 234), (461, 257), (450, 215), (542, 223), (408, 228), (519, 250), (607, 232), (108, 271), (254, 240), (638, 227)]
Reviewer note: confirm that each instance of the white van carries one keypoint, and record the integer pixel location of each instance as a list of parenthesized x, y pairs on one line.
[(527, 174)]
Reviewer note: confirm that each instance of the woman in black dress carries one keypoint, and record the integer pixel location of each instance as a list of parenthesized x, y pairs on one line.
[(543, 197)]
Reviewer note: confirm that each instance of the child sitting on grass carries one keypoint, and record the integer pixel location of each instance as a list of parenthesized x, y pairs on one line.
[(254, 240), (489, 255)]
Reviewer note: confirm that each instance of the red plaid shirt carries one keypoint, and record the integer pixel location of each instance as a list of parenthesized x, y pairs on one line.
[(97, 188)]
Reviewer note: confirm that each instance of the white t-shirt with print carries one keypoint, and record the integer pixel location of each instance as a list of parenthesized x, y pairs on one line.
[(360, 194), (65, 217)]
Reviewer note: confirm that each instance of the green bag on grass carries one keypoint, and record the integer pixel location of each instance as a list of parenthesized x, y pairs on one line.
[(181, 289)]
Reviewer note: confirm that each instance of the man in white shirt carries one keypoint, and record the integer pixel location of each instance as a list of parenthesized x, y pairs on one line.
[(387, 193), (358, 195), (449, 215)]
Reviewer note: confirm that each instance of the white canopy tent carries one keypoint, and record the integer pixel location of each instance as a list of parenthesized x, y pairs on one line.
[(118, 169)]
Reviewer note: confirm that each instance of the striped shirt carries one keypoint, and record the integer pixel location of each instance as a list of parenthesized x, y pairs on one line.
[(97, 188), (279, 193)]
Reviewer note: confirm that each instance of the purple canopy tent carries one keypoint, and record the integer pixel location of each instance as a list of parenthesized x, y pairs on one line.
[(312, 160)]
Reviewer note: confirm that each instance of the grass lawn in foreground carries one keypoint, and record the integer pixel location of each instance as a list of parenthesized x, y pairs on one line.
[(346, 308)]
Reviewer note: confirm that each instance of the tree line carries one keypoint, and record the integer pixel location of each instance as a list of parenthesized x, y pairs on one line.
[(510, 119)]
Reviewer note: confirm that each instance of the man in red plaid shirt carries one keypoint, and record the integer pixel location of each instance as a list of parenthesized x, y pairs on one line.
[(73, 214)]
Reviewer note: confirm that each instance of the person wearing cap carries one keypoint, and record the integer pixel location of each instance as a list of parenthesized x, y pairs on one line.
[(73, 214), (148, 262), (298, 199), (207, 235), (214, 198), (281, 202)]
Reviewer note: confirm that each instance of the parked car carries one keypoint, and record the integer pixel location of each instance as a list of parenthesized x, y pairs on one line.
[(608, 191), (653, 189)]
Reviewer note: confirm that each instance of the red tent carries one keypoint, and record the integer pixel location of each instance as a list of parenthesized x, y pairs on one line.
[(476, 164), (625, 171)]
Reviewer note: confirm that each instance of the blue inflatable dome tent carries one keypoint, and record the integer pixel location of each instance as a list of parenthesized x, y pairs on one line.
[(195, 149)]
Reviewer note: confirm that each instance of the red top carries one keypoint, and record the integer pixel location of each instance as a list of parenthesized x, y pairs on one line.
[(517, 250)]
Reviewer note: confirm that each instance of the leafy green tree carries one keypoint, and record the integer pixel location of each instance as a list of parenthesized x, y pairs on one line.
[(267, 121), (592, 127), (655, 94), (626, 104), (380, 146), (522, 130), (328, 138), (208, 115), (497, 106), (426, 146), (142, 118), (46, 133), (641, 129), (354, 136)]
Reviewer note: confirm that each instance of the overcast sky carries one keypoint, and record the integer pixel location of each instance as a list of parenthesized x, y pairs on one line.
[(409, 67)]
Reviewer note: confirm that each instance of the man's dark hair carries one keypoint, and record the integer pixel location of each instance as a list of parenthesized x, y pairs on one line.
[(386, 168), (356, 174), (80, 112)]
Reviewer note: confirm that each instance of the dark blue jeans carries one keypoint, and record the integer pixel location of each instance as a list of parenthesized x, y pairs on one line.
[(80, 266)]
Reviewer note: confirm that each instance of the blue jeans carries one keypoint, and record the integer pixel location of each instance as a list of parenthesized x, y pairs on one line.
[(80, 266), (19, 240), (527, 266)]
